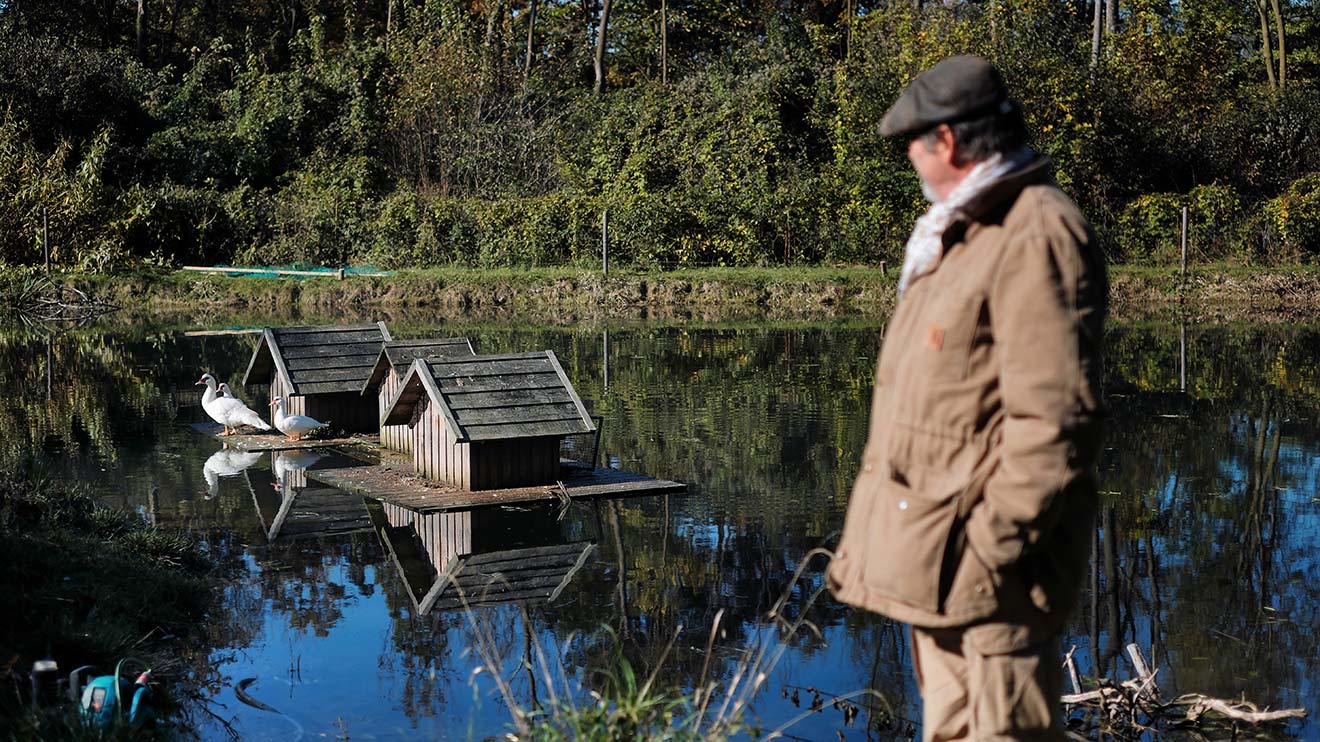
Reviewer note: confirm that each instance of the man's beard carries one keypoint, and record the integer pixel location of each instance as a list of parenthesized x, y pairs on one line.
[(929, 191)]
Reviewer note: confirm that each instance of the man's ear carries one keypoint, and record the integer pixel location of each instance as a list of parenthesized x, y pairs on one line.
[(946, 146)]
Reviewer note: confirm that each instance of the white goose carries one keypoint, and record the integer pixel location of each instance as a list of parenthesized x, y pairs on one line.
[(294, 426), (228, 411)]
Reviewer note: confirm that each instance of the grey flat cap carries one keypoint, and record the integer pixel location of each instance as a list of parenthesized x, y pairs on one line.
[(955, 89)]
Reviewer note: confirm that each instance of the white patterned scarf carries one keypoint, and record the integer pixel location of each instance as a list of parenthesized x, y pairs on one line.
[(927, 240)]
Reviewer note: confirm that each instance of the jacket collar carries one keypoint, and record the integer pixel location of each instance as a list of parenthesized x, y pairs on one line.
[(992, 202), (1004, 191)]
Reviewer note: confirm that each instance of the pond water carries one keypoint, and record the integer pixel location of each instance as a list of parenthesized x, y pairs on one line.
[(1207, 548)]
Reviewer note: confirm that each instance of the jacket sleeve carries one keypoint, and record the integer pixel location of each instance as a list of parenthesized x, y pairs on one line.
[(1037, 330)]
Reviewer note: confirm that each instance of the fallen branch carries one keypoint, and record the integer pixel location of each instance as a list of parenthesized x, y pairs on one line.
[(1199, 705), (1135, 705)]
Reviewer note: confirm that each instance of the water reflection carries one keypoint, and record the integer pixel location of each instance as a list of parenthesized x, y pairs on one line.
[(1207, 552), (478, 558), (290, 504), (227, 462)]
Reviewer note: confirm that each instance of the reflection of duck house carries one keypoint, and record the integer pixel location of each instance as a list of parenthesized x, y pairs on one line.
[(456, 557), (392, 364), (289, 506), (320, 371), (488, 422)]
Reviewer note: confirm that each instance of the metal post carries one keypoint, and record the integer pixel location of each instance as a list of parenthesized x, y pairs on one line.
[(605, 242), (1184, 241), (1182, 357), (45, 236)]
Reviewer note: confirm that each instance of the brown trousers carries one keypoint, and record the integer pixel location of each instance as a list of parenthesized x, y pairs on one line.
[(968, 694)]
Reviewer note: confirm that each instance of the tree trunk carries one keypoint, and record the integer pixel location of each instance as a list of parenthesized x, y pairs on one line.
[(664, 42), (1095, 33), (601, 37), (389, 22), (1111, 15), (1283, 49), (1262, 10), (850, 9), (531, 37), (141, 30)]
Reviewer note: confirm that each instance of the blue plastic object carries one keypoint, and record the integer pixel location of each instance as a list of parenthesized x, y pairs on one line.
[(112, 700)]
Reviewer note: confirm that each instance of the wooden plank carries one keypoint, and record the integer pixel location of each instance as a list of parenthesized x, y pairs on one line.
[(354, 373), (498, 584), (384, 331), (335, 361), (466, 399), (334, 338), (309, 351), (495, 431), (465, 384), (482, 367), (519, 414), (474, 601)]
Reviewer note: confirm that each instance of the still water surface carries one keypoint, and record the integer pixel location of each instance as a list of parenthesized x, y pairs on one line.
[(1207, 549)]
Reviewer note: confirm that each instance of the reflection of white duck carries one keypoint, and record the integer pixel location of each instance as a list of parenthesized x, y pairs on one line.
[(228, 411), (284, 464), (294, 426), (226, 462)]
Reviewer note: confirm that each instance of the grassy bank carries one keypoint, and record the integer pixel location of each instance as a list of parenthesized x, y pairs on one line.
[(1207, 293), (88, 585)]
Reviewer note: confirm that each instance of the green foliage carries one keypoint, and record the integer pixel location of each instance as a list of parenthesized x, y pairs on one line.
[(1293, 218), (420, 140)]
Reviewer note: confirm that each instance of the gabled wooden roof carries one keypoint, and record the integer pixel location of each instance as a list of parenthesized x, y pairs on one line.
[(317, 360), (399, 355), (535, 574), (494, 397), (443, 572)]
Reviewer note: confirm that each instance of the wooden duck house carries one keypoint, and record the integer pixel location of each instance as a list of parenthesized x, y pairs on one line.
[(392, 363), (477, 557), (320, 371), (488, 422)]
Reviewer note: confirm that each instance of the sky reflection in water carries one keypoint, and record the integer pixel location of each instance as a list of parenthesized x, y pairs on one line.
[(1208, 544)]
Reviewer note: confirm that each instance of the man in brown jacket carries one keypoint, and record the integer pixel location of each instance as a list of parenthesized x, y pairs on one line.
[(972, 515)]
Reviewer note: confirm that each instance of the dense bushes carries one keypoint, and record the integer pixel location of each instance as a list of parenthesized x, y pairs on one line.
[(336, 139)]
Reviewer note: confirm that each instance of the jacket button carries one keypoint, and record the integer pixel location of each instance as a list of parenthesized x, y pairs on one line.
[(980, 588), (867, 467), (902, 504)]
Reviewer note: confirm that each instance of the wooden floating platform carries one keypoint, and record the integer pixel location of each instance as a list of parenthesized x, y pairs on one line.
[(275, 441), (399, 486)]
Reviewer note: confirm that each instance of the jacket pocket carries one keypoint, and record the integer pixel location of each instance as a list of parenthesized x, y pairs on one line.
[(909, 535), (944, 338)]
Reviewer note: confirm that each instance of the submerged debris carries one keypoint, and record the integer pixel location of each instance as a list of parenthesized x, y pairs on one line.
[(1136, 705), (43, 300)]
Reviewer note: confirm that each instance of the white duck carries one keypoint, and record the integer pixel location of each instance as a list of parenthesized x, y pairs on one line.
[(226, 462), (294, 426), (228, 411)]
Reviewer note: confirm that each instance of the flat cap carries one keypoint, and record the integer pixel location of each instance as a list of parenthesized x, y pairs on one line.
[(955, 89)]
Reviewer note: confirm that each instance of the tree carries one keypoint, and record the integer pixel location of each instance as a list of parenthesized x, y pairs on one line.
[(601, 39)]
